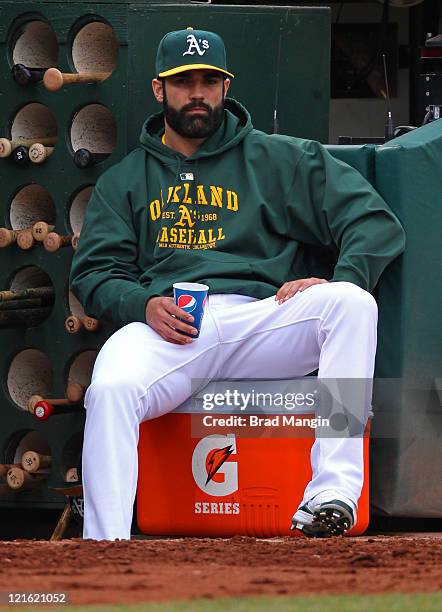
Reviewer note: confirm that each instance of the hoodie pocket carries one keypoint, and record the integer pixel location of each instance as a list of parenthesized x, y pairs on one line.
[(200, 266)]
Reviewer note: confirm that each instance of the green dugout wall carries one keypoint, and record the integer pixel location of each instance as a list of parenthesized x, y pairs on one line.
[(407, 453)]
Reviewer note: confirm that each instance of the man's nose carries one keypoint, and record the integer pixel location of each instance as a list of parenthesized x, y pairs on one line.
[(197, 92)]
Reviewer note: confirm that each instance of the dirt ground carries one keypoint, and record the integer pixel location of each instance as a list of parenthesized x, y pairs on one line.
[(166, 569)]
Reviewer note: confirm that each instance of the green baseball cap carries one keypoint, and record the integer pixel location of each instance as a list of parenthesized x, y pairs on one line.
[(190, 50)]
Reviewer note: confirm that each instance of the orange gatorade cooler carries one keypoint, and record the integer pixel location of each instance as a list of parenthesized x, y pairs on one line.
[(200, 479)]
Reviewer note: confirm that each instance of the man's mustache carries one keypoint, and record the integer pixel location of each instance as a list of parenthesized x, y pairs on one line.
[(196, 105)]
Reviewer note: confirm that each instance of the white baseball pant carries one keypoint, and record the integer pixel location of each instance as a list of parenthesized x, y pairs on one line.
[(139, 376)]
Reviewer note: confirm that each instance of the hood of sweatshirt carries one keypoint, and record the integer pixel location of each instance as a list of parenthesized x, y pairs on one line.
[(235, 127)]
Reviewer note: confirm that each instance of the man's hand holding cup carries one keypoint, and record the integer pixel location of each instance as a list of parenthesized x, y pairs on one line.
[(178, 319)]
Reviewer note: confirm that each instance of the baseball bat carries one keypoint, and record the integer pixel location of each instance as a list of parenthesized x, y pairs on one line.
[(34, 399), (25, 240), (83, 158), (74, 241), (27, 316), (40, 230), (32, 461), (24, 294), (71, 475), (24, 75), (20, 155), (5, 467), (19, 304), (90, 324), (76, 489), (43, 410), (8, 146), (8, 236), (63, 524), (74, 324), (53, 242), (54, 80), (38, 153), (21, 314), (19, 479)]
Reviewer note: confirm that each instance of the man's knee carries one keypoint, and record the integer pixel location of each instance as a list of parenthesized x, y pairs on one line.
[(342, 296), (356, 300), (118, 392)]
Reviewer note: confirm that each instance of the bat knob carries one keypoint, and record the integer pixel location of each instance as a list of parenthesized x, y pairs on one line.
[(37, 153), (52, 242), (6, 237), (90, 324), (25, 240), (43, 410), (20, 155), (73, 324), (74, 241), (53, 79), (33, 400), (82, 158), (5, 147)]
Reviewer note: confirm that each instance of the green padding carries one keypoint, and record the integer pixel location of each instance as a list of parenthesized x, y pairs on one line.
[(407, 454), (360, 157)]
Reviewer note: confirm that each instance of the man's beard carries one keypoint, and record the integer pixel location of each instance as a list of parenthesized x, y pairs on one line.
[(194, 126)]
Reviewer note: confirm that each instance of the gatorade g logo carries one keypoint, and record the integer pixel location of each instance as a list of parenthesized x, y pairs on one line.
[(194, 46), (212, 471), (187, 302)]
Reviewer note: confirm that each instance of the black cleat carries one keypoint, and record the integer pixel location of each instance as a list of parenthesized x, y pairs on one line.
[(324, 520)]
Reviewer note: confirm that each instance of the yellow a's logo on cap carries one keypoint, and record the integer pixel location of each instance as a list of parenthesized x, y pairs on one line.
[(194, 45)]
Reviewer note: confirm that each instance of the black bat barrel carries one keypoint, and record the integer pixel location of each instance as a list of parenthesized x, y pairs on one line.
[(83, 158), (23, 75), (20, 155)]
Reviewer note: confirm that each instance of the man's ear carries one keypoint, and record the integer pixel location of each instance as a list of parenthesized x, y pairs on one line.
[(226, 86), (157, 88)]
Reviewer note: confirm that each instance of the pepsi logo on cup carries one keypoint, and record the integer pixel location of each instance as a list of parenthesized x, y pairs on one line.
[(187, 302)]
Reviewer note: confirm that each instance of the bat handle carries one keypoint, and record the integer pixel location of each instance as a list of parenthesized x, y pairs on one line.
[(54, 80), (35, 399), (62, 524), (44, 410)]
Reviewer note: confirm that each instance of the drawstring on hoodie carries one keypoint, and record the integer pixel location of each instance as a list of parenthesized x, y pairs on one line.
[(195, 196), (160, 254)]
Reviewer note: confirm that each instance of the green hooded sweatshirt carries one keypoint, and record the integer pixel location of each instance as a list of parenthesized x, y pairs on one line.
[(244, 214)]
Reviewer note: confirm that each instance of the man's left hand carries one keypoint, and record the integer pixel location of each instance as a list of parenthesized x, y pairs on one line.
[(290, 288)]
